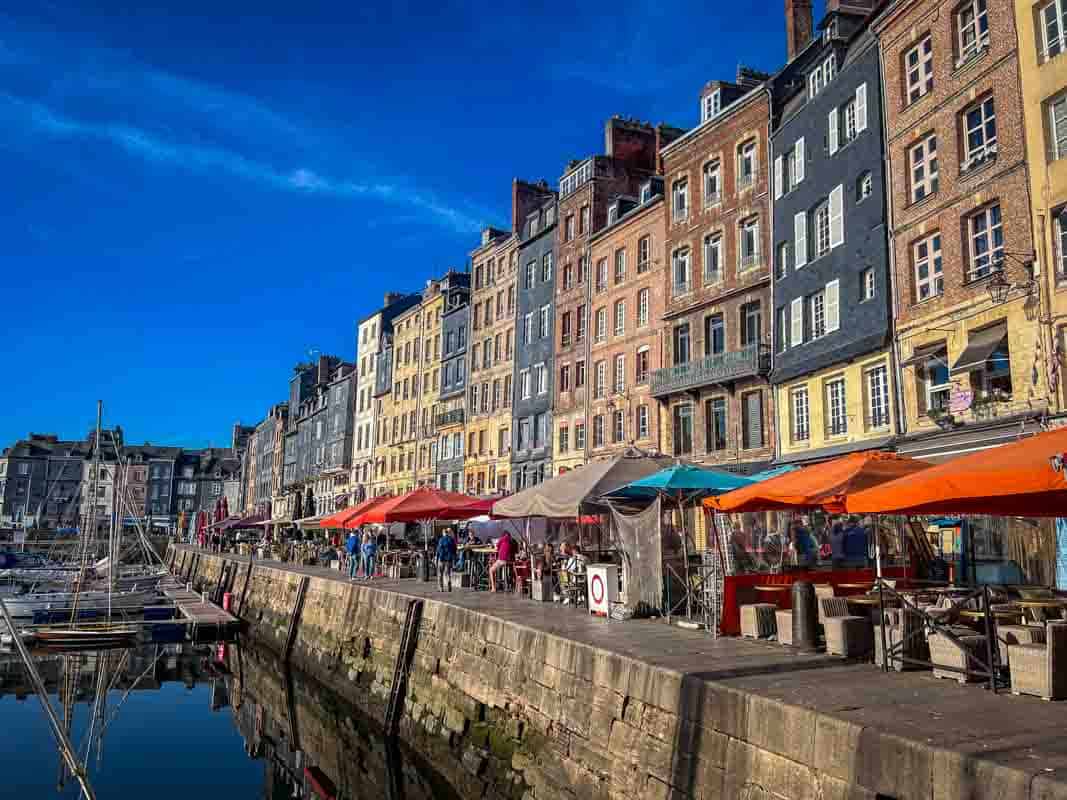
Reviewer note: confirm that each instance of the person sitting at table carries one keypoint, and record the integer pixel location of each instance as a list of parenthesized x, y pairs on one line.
[(544, 561), (468, 541), (577, 562), (505, 553)]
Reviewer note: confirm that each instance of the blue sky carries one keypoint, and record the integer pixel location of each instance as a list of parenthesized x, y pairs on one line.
[(202, 193)]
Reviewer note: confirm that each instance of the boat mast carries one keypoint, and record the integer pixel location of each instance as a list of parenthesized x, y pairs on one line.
[(90, 516)]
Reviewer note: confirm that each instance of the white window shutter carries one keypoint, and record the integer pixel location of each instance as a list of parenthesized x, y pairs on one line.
[(861, 108), (833, 306), (832, 122), (837, 216), (800, 239), (798, 159), (796, 322), (778, 177)]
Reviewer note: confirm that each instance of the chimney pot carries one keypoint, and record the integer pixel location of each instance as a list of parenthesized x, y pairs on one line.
[(798, 26)]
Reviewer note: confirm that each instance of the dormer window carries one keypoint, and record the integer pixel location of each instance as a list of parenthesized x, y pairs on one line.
[(613, 213), (646, 192), (712, 106), (822, 75), (550, 215), (830, 31)]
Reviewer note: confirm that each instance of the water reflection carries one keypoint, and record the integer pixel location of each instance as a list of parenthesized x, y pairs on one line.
[(167, 721)]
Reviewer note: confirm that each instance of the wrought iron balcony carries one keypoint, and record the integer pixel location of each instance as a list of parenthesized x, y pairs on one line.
[(747, 362), (453, 417)]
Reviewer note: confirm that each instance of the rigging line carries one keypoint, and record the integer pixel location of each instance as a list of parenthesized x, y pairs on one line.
[(118, 706)]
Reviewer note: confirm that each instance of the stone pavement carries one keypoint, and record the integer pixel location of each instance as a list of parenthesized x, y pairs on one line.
[(1009, 746)]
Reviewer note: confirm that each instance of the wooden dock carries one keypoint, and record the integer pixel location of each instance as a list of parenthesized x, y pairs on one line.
[(203, 616)]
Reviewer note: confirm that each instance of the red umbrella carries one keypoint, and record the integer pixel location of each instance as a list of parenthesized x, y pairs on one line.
[(424, 504), (352, 517)]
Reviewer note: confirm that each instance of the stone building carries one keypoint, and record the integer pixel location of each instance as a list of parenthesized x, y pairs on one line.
[(533, 375), (402, 416), (487, 460), (1042, 31), (960, 224), (713, 386), (586, 190), (833, 374), (433, 306), (452, 396), (626, 338), (371, 331), (383, 410), (41, 483)]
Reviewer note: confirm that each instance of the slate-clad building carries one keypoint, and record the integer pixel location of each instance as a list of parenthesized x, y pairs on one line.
[(531, 453), (451, 407), (832, 292)]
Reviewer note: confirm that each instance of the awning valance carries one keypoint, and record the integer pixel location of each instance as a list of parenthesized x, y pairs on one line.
[(924, 353), (980, 347)]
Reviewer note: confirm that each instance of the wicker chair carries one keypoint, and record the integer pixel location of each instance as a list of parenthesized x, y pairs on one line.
[(946, 653), (902, 626), (1041, 669), (1008, 635), (822, 590), (757, 620), (846, 635), (783, 618)]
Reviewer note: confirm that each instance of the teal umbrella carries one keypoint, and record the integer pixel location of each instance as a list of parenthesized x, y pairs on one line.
[(774, 472), (680, 482)]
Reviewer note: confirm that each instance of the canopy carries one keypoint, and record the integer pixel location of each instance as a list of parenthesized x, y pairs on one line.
[(243, 522), (567, 495), (339, 519), (822, 485), (424, 503), (1016, 479), (680, 481)]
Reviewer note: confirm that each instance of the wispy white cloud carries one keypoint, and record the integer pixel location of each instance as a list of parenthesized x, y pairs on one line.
[(207, 159)]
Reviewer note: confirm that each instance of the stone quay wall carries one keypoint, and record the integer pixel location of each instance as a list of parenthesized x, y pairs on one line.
[(524, 714)]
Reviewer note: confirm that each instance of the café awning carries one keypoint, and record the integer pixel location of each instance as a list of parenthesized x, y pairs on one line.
[(980, 347), (1017, 479), (422, 504), (341, 518)]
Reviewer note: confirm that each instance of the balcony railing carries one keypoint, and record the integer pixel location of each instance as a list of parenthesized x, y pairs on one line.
[(747, 362), (453, 417)]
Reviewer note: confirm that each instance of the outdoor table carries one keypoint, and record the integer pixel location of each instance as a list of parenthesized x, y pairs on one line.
[(478, 558), (1034, 605), (861, 585), (998, 615), (871, 604), (773, 588)]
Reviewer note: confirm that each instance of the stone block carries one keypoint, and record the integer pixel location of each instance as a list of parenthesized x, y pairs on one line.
[(622, 743), (592, 756), (721, 709), (787, 730), (894, 766), (958, 774), (836, 751), (659, 724), (751, 770)]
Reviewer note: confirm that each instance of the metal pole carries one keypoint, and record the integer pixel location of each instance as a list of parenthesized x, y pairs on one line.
[(65, 747)]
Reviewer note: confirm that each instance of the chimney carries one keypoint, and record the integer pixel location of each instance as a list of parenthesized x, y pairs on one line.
[(798, 26), (391, 297)]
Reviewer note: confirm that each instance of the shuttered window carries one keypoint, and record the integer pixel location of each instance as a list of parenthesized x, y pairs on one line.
[(796, 322), (837, 216), (832, 130), (833, 306), (800, 240), (752, 424)]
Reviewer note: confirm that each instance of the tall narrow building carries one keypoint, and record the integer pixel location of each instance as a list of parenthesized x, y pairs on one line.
[(406, 397), (452, 396)]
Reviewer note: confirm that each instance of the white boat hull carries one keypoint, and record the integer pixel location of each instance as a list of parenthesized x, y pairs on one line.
[(24, 606)]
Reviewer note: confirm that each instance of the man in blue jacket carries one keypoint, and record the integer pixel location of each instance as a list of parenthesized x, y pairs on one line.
[(446, 557), (352, 548)]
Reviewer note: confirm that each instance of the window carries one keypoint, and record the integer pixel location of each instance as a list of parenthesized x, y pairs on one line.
[(642, 370), (972, 27), (579, 436), (600, 383), (646, 192), (980, 124), (752, 420), (746, 165), (751, 323), (822, 75), (524, 435), (683, 429), (864, 186), (579, 334), (878, 397), (1057, 112), (867, 284), (681, 344), (563, 438), (613, 213), (546, 269), (618, 426), (1060, 243), (503, 443), (487, 354), (924, 168), (543, 331), (511, 302), (749, 243), (642, 422), (715, 424), (714, 335), (644, 254), (620, 265), (919, 66), (836, 408), (712, 258), (600, 332), (1053, 24), (781, 328), (583, 264), (799, 405), (568, 276), (565, 378), (620, 374), (579, 374), (936, 384), (712, 183), (926, 254), (568, 228), (848, 122), (781, 261), (680, 270), (821, 224), (583, 219), (527, 331), (507, 391), (711, 106), (524, 386), (642, 308), (497, 395), (565, 329), (601, 275), (680, 202), (986, 242), (598, 430), (541, 378)]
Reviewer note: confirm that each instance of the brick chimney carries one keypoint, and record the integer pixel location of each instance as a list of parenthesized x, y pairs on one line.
[(798, 26)]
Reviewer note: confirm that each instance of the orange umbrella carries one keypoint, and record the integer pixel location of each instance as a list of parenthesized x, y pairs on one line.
[(1016, 479), (822, 485)]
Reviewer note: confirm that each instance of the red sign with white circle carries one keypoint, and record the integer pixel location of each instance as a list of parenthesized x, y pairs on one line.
[(596, 589)]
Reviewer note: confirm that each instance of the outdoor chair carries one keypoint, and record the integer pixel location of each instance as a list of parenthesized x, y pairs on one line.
[(1041, 669), (904, 630), (846, 635), (572, 587), (1008, 635), (946, 653), (757, 620), (822, 590), (783, 620)]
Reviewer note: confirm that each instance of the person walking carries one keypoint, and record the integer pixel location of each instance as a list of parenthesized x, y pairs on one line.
[(505, 550), (352, 548), (446, 557), (370, 554)]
